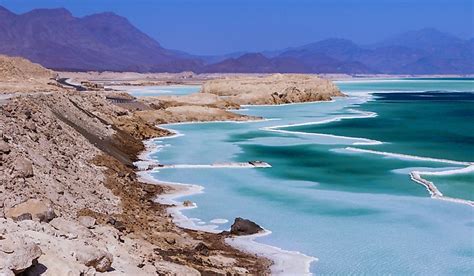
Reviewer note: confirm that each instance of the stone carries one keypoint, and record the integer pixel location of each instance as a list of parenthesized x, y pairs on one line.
[(117, 224), (87, 221), (31, 209), (24, 256), (30, 126), (221, 261), (23, 167), (188, 203), (6, 272), (4, 147), (202, 249), (74, 230), (242, 227), (93, 257)]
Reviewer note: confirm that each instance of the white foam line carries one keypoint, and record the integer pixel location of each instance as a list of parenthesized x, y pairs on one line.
[(286, 104), (214, 166), (356, 140), (467, 169), (362, 115), (417, 175), (285, 262), (433, 190), (397, 80), (408, 157), (165, 126)]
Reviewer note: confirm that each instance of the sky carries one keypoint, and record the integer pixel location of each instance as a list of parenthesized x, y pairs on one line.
[(223, 26)]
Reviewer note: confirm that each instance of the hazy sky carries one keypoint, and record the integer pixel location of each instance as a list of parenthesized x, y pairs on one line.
[(222, 26)]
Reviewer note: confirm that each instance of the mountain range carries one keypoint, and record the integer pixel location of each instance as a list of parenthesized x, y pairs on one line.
[(105, 41)]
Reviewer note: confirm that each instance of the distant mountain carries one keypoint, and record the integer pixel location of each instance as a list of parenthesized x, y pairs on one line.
[(105, 41), (426, 51), (58, 40), (432, 52), (258, 63), (427, 39)]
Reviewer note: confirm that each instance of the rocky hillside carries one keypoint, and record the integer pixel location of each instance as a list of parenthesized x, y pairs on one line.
[(70, 200), (20, 69), (275, 89), (19, 74), (71, 203)]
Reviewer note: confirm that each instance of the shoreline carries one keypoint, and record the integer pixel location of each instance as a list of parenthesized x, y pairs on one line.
[(282, 260)]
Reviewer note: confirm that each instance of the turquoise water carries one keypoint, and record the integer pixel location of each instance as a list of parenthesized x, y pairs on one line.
[(357, 212), (147, 91)]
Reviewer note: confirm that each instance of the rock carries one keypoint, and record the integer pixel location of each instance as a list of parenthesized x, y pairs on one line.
[(188, 203), (25, 216), (23, 167), (31, 209), (117, 224), (71, 228), (54, 263), (6, 272), (242, 227), (87, 221), (221, 261), (274, 89), (24, 256), (30, 126), (93, 257), (4, 147), (202, 249)]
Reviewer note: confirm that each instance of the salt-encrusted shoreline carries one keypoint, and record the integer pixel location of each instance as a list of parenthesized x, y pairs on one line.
[(284, 262)]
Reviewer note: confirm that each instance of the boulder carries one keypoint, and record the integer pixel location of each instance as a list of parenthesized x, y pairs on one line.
[(70, 229), (202, 249), (188, 203), (93, 257), (23, 257), (242, 227), (87, 221), (31, 209), (23, 167), (6, 272), (4, 147)]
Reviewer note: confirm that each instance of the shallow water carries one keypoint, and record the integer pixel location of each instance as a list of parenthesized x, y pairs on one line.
[(148, 91), (357, 212)]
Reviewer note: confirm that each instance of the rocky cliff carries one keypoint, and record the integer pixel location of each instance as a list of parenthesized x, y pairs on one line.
[(274, 89), (71, 202)]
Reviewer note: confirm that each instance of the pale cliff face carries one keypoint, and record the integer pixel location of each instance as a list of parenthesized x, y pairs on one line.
[(275, 89)]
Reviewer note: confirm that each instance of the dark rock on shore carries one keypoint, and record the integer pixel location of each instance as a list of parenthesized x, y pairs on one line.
[(242, 227)]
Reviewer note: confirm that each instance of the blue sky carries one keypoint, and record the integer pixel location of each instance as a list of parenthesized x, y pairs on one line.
[(223, 26)]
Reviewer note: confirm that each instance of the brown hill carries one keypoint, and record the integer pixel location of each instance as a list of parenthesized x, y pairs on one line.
[(20, 75)]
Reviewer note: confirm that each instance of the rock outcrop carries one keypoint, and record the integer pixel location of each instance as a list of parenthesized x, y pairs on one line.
[(31, 209), (18, 74), (274, 89), (190, 113), (16, 256), (99, 259), (242, 227)]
